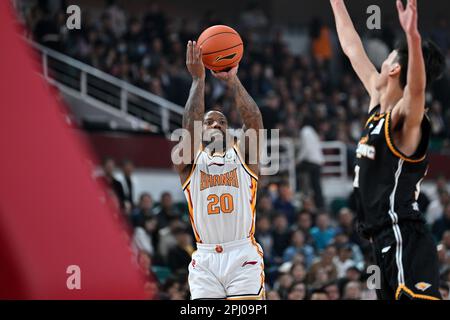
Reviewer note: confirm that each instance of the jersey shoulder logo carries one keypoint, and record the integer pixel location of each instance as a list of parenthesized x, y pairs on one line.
[(378, 128)]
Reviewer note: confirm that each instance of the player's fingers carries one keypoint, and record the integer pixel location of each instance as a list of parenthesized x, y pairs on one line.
[(195, 56), (189, 53), (200, 54), (233, 71), (400, 7), (194, 44)]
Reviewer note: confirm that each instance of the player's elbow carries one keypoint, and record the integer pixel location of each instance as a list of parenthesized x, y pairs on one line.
[(416, 91)]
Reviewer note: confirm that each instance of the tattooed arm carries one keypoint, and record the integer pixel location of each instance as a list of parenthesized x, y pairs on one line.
[(195, 106), (250, 114)]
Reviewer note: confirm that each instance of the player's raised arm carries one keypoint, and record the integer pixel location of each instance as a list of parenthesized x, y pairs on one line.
[(412, 106), (195, 105), (353, 48), (249, 111)]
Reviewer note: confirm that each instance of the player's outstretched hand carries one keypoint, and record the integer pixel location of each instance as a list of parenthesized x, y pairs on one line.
[(408, 17), (194, 60), (226, 76)]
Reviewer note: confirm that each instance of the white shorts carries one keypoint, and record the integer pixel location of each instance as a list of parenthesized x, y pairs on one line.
[(232, 270)]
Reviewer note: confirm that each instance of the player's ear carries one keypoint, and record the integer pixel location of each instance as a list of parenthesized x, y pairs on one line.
[(395, 69)]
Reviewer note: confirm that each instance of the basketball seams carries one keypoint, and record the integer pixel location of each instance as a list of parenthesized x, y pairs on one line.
[(209, 53), (216, 34)]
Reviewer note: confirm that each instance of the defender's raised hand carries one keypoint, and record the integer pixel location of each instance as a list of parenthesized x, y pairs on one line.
[(194, 61), (408, 17)]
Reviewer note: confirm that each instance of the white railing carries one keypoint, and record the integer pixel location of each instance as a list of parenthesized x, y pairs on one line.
[(335, 154), (99, 89)]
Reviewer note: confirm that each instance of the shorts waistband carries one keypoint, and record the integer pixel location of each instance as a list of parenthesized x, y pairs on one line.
[(227, 246)]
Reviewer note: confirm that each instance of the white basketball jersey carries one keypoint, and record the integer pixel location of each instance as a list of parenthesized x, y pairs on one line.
[(221, 195)]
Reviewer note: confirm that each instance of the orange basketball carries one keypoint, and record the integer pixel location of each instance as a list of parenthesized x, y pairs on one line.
[(222, 48)]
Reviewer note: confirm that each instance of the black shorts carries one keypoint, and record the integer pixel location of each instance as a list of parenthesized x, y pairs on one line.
[(407, 257)]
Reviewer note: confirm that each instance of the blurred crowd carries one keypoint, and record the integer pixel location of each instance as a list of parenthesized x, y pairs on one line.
[(310, 251)]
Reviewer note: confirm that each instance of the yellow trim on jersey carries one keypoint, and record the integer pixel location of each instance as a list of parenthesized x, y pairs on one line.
[(194, 165), (191, 215), (257, 248), (242, 160), (390, 143), (253, 190), (404, 288), (374, 117)]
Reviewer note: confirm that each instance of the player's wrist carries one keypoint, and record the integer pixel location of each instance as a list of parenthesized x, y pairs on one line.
[(414, 36), (200, 78)]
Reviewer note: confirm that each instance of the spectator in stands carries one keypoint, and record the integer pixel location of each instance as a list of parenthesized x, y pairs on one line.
[(280, 236), (442, 258), (283, 284), (298, 272), (332, 291), (180, 255), (444, 289), (323, 232), (346, 225), (437, 121), (273, 295), (265, 206), (325, 265), (446, 242), (167, 238), (111, 181), (284, 204), (128, 182), (166, 210), (352, 291), (343, 260), (264, 237), (309, 162), (443, 224), (143, 211), (298, 246), (436, 207), (151, 281), (305, 223), (321, 41), (173, 290), (117, 16), (297, 291), (319, 294), (145, 236), (441, 184), (342, 240)]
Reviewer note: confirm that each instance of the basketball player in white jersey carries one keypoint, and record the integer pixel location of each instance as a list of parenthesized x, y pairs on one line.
[(220, 188)]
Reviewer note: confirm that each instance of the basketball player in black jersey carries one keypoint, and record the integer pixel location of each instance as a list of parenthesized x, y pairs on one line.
[(392, 156)]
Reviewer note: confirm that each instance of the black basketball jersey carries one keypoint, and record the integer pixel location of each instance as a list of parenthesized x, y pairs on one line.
[(386, 182)]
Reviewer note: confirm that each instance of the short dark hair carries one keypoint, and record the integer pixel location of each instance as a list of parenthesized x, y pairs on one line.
[(433, 57)]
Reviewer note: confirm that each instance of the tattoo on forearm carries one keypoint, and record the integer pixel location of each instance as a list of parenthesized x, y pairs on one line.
[(247, 107), (195, 106)]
